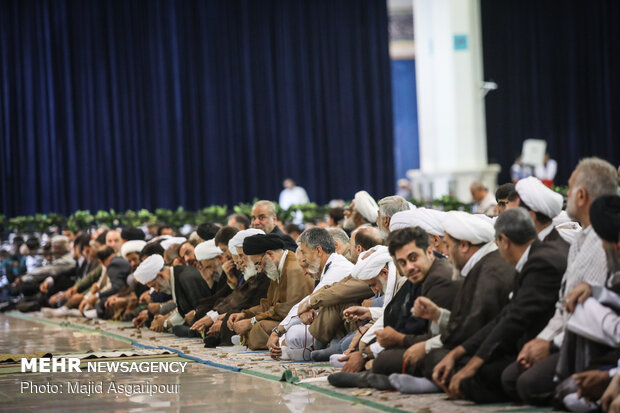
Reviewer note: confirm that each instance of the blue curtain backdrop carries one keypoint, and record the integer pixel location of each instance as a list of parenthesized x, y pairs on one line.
[(405, 107), (132, 104), (557, 66)]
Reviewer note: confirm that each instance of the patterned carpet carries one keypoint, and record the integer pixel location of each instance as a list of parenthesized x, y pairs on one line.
[(310, 375)]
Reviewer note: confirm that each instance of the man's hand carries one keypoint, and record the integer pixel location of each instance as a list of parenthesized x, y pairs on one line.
[(578, 295), (189, 317), (43, 287), (532, 352), (367, 302), (470, 370), (145, 297), (388, 338), (415, 353), (304, 306), (426, 309), (157, 325), (442, 372), (592, 384), (215, 328), (354, 362), (94, 289), (202, 324), (273, 345), (71, 291), (357, 313), (233, 319), (308, 317), (612, 392), (154, 308), (242, 327), (110, 301), (140, 319)]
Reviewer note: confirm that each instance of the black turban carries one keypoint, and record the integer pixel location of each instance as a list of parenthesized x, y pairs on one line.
[(605, 217), (259, 243)]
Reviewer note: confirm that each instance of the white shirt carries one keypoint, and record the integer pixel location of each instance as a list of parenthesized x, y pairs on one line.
[(547, 171), (586, 263), (294, 196), (335, 269), (545, 231)]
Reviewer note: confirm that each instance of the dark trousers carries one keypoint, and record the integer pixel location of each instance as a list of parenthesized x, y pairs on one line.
[(391, 361), (534, 385)]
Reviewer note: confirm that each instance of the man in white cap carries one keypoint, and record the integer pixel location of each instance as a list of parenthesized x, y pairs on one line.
[(185, 283), (430, 220), (544, 204), (389, 206), (363, 210), (484, 292)]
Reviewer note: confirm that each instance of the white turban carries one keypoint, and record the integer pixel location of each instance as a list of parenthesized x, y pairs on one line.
[(132, 246), (237, 240), (207, 250), (463, 226), (430, 220), (366, 205), (539, 197), (370, 263), (167, 243), (148, 269)]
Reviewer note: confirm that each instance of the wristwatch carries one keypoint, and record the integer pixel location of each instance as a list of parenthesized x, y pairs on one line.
[(165, 325), (364, 354), (253, 320), (277, 331)]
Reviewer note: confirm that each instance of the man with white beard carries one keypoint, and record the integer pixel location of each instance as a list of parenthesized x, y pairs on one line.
[(288, 285), (362, 211)]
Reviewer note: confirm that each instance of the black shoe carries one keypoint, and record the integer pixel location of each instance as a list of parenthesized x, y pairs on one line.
[(211, 341)]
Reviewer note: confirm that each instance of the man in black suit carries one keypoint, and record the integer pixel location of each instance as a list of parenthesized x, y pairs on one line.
[(481, 359)]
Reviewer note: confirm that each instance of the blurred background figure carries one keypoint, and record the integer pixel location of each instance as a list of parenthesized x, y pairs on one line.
[(546, 172), (404, 188), (484, 201), (292, 195)]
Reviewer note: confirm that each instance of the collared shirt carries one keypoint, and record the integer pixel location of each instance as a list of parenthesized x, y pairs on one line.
[(586, 263), (523, 259), (544, 232), (487, 248)]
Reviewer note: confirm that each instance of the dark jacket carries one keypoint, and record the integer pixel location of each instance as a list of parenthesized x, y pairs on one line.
[(117, 271), (483, 294), (533, 300), (189, 288)]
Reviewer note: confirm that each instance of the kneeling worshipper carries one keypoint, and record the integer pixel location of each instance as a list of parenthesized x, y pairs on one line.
[(288, 285), (424, 274), (251, 287), (184, 282), (479, 361), (484, 291), (317, 252), (205, 256), (591, 345)]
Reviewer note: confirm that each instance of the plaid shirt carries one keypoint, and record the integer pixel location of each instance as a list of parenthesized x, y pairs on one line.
[(586, 263)]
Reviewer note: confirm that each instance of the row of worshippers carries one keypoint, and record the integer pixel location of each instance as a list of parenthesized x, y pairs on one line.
[(454, 302)]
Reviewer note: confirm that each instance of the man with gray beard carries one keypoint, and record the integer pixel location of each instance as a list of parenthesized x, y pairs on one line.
[(288, 285)]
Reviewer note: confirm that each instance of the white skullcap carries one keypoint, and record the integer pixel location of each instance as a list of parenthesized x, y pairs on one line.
[(207, 250), (539, 197), (366, 206), (168, 242), (237, 240), (463, 226), (132, 246), (370, 263), (148, 269), (430, 220)]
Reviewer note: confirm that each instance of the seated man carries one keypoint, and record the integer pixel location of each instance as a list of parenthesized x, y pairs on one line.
[(288, 285), (425, 275), (316, 252), (184, 283), (480, 360), (430, 220)]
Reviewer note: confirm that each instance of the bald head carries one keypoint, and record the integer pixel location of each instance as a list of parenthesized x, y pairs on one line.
[(363, 239)]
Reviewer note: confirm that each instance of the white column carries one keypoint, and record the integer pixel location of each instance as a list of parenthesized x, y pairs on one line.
[(448, 48)]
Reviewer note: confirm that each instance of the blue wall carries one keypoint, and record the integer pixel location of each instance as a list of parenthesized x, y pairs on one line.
[(405, 107)]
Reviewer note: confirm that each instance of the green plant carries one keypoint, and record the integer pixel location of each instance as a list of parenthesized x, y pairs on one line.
[(80, 220)]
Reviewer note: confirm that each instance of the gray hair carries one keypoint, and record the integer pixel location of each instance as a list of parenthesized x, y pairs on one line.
[(390, 205), (60, 242), (597, 176), (317, 237), (270, 206), (338, 234), (478, 185), (517, 225)]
